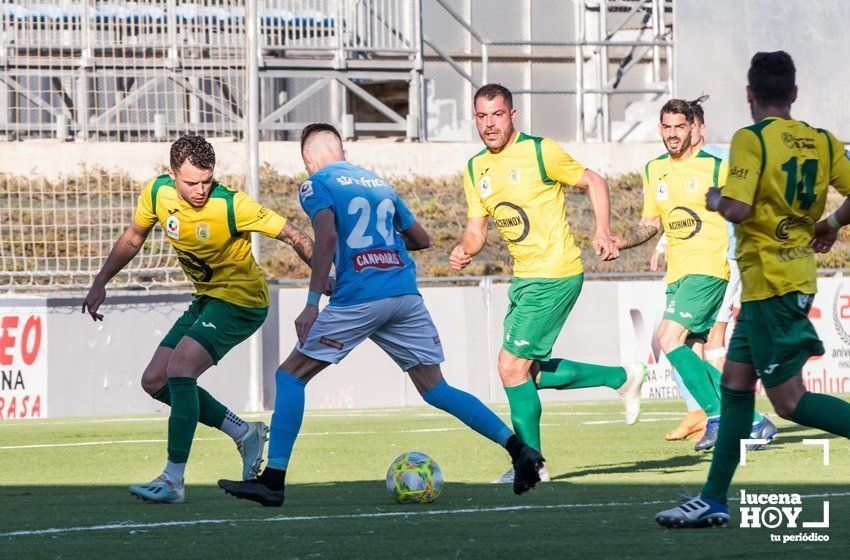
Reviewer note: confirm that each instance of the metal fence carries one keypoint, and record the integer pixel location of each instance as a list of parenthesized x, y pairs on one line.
[(150, 70), (580, 69)]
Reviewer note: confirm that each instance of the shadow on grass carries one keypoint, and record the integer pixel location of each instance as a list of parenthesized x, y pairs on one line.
[(358, 520), (668, 465)]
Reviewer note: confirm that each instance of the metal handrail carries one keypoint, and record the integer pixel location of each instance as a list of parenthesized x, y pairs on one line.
[(601, 51)]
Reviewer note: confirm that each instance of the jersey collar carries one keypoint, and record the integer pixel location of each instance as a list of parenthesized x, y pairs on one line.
[(516, 137)]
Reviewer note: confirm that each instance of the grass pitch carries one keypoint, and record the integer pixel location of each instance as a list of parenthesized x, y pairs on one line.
[(63, 491)]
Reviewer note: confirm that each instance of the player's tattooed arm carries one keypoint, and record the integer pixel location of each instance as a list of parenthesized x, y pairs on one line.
[(127, 247), (640, 233), (299, 241)]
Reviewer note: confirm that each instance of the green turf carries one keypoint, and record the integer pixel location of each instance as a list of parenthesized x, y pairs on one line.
[(336, 483)]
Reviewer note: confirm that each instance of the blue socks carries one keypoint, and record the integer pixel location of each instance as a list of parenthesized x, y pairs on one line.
[(690, 401), (286, 420), (465, 408)]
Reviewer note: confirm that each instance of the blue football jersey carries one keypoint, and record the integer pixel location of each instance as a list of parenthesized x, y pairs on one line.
[(370, 258)]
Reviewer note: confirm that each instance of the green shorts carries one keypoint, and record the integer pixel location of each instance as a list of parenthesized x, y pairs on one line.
[(694, 301), (776, 336), (216, 325), (538, 310)]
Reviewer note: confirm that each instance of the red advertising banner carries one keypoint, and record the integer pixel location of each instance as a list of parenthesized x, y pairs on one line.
[(23, 363)]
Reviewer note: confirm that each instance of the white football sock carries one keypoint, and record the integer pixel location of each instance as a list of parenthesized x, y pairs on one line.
[(175, 471), (234, 426)]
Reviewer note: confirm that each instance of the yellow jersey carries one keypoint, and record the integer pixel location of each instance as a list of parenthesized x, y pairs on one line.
[(782, 169), (213, 242), (698, 240), (521, 187)]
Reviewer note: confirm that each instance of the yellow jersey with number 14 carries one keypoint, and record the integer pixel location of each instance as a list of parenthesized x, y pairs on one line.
[(521, 187), (698, 240), (213, 242), (782, 169)]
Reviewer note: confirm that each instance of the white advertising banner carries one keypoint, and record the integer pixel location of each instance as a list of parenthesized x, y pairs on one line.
[(640, 310), (23, 362), (641, 307)]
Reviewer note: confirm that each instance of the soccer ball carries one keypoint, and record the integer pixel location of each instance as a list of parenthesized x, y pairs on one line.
[(414, 477)]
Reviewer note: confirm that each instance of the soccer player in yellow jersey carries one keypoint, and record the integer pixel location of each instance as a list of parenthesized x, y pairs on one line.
[(209, 225), (675, 185), (518, 180), (776, 191)]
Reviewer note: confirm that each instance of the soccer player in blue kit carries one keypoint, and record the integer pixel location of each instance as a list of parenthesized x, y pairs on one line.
[(363, 228)]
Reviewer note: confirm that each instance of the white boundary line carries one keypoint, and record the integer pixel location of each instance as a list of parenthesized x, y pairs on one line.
[(281, 518), (254, 415), (306, 434), (383, 514)]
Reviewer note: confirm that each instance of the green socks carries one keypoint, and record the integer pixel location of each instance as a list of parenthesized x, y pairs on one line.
[(815, 410), (183, 419), (564, 374), (211, 412), (824, 412), (736, 420), (525, 412), (701, 378)]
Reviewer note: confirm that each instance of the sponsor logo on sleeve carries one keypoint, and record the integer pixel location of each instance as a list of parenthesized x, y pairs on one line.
[(485, 186), (306, 189), (382, 259), (739, 172)]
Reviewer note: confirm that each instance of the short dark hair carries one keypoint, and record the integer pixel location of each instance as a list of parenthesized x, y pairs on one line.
[(314, 128), (678, 107), (699, 112), (772, 77), (196, 149), (491, 91)]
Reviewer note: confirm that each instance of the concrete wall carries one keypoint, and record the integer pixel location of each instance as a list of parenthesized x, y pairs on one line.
[(93, 369), (469, 320), (144, 160), (716, 40)]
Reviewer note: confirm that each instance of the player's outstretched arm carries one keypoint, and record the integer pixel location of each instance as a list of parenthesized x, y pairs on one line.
[(472, 241), (127, 247), (639, 234), (603, 242), (326, 234), (415, 237), (298, 240)]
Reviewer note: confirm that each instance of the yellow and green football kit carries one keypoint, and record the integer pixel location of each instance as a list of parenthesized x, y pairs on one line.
[(521, 187), (213, 247), (698, 240), (782, 169)]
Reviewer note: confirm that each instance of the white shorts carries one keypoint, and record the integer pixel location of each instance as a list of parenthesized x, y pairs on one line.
[(732, 297), (400, 325)]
